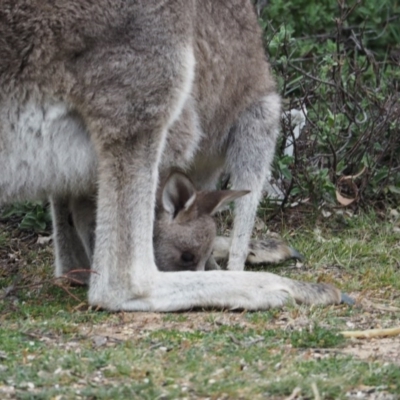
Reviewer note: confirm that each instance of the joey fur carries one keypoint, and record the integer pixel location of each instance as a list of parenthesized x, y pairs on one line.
[(98, 97)]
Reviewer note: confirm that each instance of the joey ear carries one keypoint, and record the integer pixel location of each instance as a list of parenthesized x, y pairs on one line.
[(178, 193), (211, 202)]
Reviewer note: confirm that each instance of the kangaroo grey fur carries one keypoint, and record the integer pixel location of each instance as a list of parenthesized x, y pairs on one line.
[(136, 74)]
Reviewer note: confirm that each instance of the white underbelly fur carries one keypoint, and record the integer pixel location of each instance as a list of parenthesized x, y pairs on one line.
[(44, 150)]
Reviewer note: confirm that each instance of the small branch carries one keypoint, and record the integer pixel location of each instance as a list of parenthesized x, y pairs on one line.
[(245, 344), (380, 307), (53, 281), (67, 291), (314, 78), (315, 390), (295, 393), (371, 333)]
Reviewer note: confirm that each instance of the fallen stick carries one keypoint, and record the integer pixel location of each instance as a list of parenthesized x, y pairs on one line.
[(371, 333), (315, 390), (380, 307), (295, 393)]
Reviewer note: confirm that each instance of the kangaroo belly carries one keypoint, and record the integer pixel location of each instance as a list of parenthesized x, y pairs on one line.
[(44, 150)]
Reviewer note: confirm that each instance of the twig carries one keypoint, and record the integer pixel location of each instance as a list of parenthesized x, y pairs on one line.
[(379, 307), (68, 291), (314, 78), (15, 288), (371, 333), (234, 340), (314, 388), (80, 305), (74, 271), (295, 393), (323, 350), (53, 281), (245, 344)]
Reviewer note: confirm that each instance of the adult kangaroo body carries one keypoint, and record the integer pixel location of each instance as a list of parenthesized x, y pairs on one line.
[(98, 96)]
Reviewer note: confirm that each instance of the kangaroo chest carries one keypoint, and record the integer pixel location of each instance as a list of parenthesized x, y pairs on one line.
[(44, 149)]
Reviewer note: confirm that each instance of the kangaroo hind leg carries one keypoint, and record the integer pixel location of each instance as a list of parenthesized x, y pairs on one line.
[(251, 148)]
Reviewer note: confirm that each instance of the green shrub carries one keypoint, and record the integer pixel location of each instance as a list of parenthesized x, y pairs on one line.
[(33, 216), (341, 61)]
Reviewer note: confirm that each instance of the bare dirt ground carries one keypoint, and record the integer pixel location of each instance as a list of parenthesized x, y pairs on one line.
[(385, 349)]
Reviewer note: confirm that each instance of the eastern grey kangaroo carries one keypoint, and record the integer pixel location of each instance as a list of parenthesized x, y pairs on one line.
[(154, 84)]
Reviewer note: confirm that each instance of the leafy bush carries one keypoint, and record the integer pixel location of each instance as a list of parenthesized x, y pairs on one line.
[(33, 215), (340, 61)]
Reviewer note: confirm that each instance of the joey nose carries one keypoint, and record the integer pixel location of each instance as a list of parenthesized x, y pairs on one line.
[(187, 256)]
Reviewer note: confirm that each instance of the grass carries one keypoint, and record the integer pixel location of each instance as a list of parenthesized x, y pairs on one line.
[(53, 346), (364, 248)]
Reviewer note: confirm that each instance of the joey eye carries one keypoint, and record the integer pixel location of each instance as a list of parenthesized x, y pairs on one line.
[(187, 257)]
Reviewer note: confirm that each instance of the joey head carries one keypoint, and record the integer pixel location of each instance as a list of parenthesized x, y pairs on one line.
[(184, 229)]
